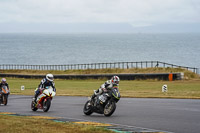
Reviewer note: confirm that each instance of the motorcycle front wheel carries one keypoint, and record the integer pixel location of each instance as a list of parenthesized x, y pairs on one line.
[(87, 108), (46, 105), (33, 106), (109, 108), (5, 99)]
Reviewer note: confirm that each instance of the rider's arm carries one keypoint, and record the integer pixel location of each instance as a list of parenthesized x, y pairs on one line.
[(41, 85), (7, 86), (53, 86), (103, 87), (107, 83), (54, 89)]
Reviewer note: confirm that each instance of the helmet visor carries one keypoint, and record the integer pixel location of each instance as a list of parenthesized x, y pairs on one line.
[(116, 82), (50, 78)]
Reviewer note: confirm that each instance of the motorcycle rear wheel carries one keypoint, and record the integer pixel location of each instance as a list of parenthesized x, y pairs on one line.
[(87, 108), (109, 108), (46, 105), (33, 106)]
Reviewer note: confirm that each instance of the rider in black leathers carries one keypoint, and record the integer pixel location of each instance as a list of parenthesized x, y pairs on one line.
[(4, 83)]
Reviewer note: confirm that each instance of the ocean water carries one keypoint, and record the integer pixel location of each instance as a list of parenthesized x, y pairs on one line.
[(41, 49)]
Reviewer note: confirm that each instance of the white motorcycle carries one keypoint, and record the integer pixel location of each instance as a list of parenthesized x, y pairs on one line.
[(44, 99)]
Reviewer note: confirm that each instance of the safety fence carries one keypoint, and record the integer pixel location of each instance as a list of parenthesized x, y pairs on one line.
[(120, 65), (137, 76)]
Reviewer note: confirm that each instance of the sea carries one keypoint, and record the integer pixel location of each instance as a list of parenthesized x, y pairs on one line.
[(78, 48)]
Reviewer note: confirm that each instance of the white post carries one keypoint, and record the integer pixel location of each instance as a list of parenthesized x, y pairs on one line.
[(164, 88), (22, 87)]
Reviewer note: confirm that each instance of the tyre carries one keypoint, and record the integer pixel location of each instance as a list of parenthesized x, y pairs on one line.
[(5, 99), (87, 108), (33, 106), (109, 108), (46, 104)]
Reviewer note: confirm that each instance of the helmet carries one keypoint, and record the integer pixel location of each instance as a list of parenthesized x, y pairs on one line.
[(115, 80), (3, 80), (49, 77)]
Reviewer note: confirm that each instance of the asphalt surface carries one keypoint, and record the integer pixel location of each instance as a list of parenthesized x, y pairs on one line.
[(171, 115)]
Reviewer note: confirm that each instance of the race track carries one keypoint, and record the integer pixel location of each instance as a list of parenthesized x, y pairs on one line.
[(169, 115)]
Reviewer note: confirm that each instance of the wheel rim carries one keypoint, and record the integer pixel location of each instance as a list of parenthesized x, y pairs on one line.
[(45, 105), (108, 108), (88, 106), (33, 105)]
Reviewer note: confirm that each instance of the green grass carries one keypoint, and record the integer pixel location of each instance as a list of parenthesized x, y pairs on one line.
[(22, 124), (147, 88), (187, 88)]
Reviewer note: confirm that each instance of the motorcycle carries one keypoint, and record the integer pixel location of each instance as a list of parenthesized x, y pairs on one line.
[(103, 104), (4, 92), (44, 99)]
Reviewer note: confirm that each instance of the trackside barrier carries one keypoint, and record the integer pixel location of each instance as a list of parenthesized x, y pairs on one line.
[(159, 76), (120, 65)]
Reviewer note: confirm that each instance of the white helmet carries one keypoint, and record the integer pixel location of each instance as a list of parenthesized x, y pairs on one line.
[(115, 80), (3, 80), (49, 77)]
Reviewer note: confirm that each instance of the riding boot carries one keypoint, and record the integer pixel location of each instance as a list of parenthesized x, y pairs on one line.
[(93, 96), (35, 97)]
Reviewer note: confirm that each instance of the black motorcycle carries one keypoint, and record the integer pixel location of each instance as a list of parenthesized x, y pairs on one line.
[(103, 104)]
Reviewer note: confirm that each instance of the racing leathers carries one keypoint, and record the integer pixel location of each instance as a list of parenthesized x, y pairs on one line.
[(43, 84), (4, 84), (103, 88)]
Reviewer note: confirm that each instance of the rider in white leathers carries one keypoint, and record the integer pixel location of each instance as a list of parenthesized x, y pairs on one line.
[(114, 81)]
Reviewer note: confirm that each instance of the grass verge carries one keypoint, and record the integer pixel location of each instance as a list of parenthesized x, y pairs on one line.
[(24, 124), (147, 88), (187, 88)]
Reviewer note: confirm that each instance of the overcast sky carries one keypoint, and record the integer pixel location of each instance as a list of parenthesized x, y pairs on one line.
[(99, 15)]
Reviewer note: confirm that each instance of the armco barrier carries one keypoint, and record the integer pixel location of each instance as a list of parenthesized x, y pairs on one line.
[(111, 65), (139, 76)]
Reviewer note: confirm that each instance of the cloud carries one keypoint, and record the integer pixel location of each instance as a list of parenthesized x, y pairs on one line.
[(135, 12)]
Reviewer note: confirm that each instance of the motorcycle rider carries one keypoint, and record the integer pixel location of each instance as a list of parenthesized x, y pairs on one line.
[(47, 81), (4, 83), (114, 81)]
